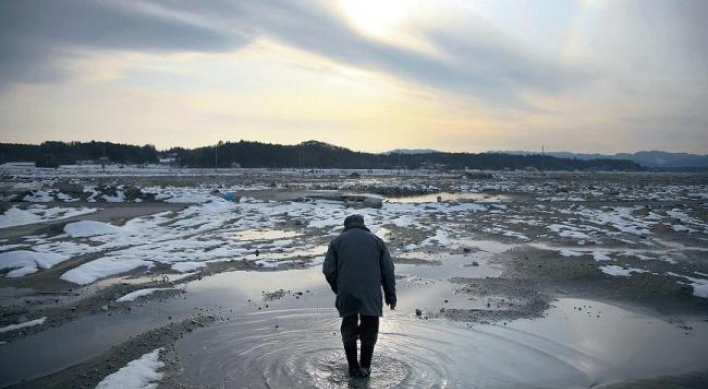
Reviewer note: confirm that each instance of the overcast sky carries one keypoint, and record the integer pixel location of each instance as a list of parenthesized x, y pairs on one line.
[(456, 75)]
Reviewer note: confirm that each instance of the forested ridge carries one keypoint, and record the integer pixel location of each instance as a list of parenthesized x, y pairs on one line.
[(311, 154)]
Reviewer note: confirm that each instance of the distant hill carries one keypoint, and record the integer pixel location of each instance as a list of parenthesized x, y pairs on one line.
[(411, 151), (650, 159), (314, 154)]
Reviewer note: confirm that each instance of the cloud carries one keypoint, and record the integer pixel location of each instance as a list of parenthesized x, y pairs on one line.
[(477, 61), (35, 36), (473, 57)]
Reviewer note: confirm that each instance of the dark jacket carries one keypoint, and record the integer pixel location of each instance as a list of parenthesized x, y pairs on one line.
[(357, 266)]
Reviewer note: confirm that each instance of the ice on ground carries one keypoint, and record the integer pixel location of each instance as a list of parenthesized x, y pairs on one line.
[(27, 262), (37, 213), (615, 270), (31, 323), (141, 373), (86, 228), (132, 296)]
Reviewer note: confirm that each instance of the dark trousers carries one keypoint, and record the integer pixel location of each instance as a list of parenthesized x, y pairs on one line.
[(365, 328)]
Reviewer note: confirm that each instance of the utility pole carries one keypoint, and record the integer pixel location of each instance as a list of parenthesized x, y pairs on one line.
[(216, 155)]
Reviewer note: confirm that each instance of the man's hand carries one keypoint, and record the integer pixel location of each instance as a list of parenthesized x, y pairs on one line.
[(393, 306)]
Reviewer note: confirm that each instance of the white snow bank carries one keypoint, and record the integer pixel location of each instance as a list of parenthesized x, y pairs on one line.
[(37, 213), (132, 296), (139, 374), (615, 270), (102, 268), (31, 323), (27, 262), (86, 228)]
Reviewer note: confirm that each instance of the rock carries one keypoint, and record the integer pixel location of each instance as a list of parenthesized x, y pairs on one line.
[(445, 301), (475, 263), (418, 312)]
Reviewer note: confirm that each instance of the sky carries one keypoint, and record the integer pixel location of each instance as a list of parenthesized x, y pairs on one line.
[(602, 76)]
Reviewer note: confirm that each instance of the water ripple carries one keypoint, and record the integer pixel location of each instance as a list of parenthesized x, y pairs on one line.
[(302, 349)]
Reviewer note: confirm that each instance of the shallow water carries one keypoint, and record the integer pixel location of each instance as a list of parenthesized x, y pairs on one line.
[(301, 348), (568, 348)]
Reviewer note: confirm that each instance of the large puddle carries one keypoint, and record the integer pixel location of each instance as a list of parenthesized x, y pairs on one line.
[(300, 348), (291, 339)]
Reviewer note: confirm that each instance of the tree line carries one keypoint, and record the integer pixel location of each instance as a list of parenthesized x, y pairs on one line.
[(314, 154), (54, 154), (306, 155)]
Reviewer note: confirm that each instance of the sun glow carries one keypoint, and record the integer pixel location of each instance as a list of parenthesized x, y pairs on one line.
[(377, 18)]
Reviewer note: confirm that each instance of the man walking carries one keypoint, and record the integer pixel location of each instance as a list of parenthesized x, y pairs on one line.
[(357, 266)]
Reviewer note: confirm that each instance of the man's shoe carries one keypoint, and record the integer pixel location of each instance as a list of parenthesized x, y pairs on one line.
[(355, 372), (364, 372)]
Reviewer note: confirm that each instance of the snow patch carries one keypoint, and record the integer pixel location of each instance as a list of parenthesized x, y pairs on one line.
[(615, 270), (132, 296), (138, 374), (103, 268), (86, 228), (37, 213), (31, 323), (27, 262)]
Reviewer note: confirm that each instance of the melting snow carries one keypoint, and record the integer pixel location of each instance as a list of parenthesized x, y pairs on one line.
[(37, 213), (615, 270), (31, 323), (600, 256), (140, 293), (139, 374), (27, 262)]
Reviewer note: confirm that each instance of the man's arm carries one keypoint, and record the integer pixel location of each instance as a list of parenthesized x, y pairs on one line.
[(388, 280), (329, 267)]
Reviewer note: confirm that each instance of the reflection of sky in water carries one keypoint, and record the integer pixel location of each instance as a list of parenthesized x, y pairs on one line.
[(630, 344), (447, 196), (568, 348)]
